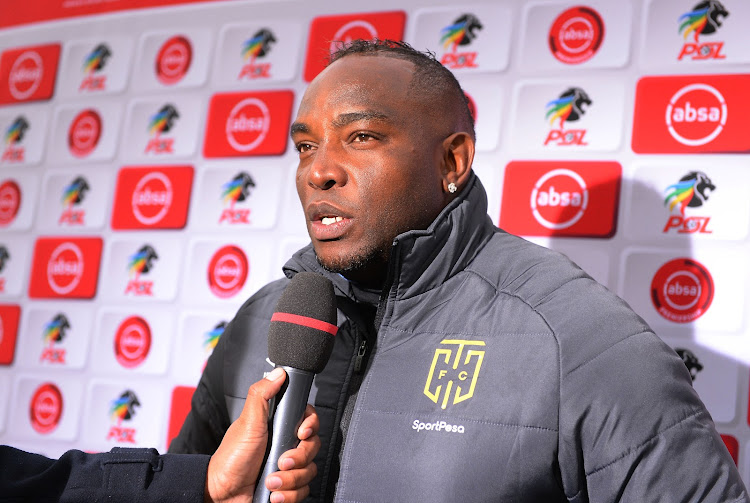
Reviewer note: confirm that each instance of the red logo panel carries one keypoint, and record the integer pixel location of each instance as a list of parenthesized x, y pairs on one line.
[(243, 124), (65, 268), (173, 60), (84, 133), (697, 113), (573, 199), (28, 73), (132, 342), (181, 397), (10, 201), (576, 35), (326, 33), (9, 316), (227, 271), (152, 197)]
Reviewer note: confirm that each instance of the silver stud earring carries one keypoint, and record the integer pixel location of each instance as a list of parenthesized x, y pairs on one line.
[(452, 187)]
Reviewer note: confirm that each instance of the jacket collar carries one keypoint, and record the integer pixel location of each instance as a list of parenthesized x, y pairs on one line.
[(422, 259)]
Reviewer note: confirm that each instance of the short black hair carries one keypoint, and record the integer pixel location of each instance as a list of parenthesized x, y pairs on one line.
[(431, 79)]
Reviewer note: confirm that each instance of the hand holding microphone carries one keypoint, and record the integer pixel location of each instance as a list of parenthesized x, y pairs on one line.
[(300, 341)]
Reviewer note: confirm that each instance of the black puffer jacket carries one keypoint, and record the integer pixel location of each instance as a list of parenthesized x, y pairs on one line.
[(500, 372)]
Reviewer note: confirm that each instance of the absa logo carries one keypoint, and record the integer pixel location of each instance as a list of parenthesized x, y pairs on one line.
[(682, 290), (248, 124), (460, 33), (46, 408), (132, 342), (704, 19), (227, 271), (173, 60), (559, 199), (152, 198), (26, 75), (576, 35), (84, 133), (65, 268), (696, 114), (10, 201)]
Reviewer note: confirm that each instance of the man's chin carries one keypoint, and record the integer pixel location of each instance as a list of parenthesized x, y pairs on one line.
[(352, 266)]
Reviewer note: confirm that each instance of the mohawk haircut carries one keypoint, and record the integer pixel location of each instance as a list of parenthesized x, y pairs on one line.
[(432, 81)]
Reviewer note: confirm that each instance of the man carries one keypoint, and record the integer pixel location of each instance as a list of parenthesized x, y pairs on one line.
[(469, 365), (128, 475)]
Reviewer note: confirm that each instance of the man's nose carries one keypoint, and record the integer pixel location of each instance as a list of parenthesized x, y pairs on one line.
[(325, 171)]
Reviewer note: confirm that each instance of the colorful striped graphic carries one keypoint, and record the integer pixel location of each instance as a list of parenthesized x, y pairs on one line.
[(252, 47), (560, 109), (453, 34), (680, 193), (693, 22)]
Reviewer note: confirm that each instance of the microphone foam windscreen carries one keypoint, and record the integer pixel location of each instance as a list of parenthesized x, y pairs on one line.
[(303, 325)]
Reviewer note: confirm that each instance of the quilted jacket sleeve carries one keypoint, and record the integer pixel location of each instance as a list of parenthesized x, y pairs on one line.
[(121, 475)]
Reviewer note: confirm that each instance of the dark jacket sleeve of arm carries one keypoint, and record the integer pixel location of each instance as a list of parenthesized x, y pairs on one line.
[(121, 475), (208, 419)]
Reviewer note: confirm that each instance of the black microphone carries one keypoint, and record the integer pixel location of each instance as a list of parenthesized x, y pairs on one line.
[(300, 341)]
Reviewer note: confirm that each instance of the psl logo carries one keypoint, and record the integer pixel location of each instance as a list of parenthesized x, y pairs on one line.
[(704, 19), (256, 47), (460, 32), (53, 333), (123, 409), (236, 190), (4, 257), (92, 64), (569, 107), (691, 362), (13, 136), (691, 191), (73, 195), (139, 263), (459, 363), (159, 123)]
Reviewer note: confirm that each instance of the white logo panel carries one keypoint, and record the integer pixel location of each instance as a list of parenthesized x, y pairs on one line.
[(55, 419), (169, 60), (199, 334), (24, 131), (96, 66), (76, 199), (56, 335), (86, 133)]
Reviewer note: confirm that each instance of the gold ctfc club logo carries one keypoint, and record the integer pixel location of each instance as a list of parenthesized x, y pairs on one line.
[(456, 364)]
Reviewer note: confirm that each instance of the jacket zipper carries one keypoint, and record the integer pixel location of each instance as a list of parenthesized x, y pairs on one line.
[(359, 359)]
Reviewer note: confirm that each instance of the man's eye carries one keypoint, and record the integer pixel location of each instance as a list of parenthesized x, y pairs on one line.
[(303, 147), (362, 137)]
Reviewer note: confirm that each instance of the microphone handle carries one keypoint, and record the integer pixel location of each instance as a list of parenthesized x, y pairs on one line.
[(288, 408)]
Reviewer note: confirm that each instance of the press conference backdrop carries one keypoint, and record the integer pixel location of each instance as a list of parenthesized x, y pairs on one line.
[(147, 181)]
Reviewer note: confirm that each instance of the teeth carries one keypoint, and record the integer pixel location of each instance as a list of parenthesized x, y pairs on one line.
[(330, 220)]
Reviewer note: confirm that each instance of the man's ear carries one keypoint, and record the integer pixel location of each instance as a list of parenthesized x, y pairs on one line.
[(458, 151)]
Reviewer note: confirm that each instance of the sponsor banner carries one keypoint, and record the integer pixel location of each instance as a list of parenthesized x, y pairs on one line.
[(142, 269), (172, 60), (245, 124), (15, 251), (691, 113), (48, 10), (570, 115), (690, 201), (199, 334), (56, 336), (696, 33), (86, 133), (226, 271), (152, 197), (9, 316), (163, 128), (486, 106), (47, 408), (561, 198), (28, 73), (24, 132), (469, 39), (680, 288), (257, 52), (18, 195), (65, 268), (178, 410), (710, 371), (133, 342), (124, 414), (75, 199), (95, 66), (327, 33), (241, 197), (591, 35)]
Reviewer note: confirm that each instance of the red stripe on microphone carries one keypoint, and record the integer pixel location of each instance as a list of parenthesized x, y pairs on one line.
[(305, 321)]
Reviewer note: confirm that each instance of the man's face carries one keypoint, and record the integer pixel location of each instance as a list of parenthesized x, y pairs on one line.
[(370, 156)]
